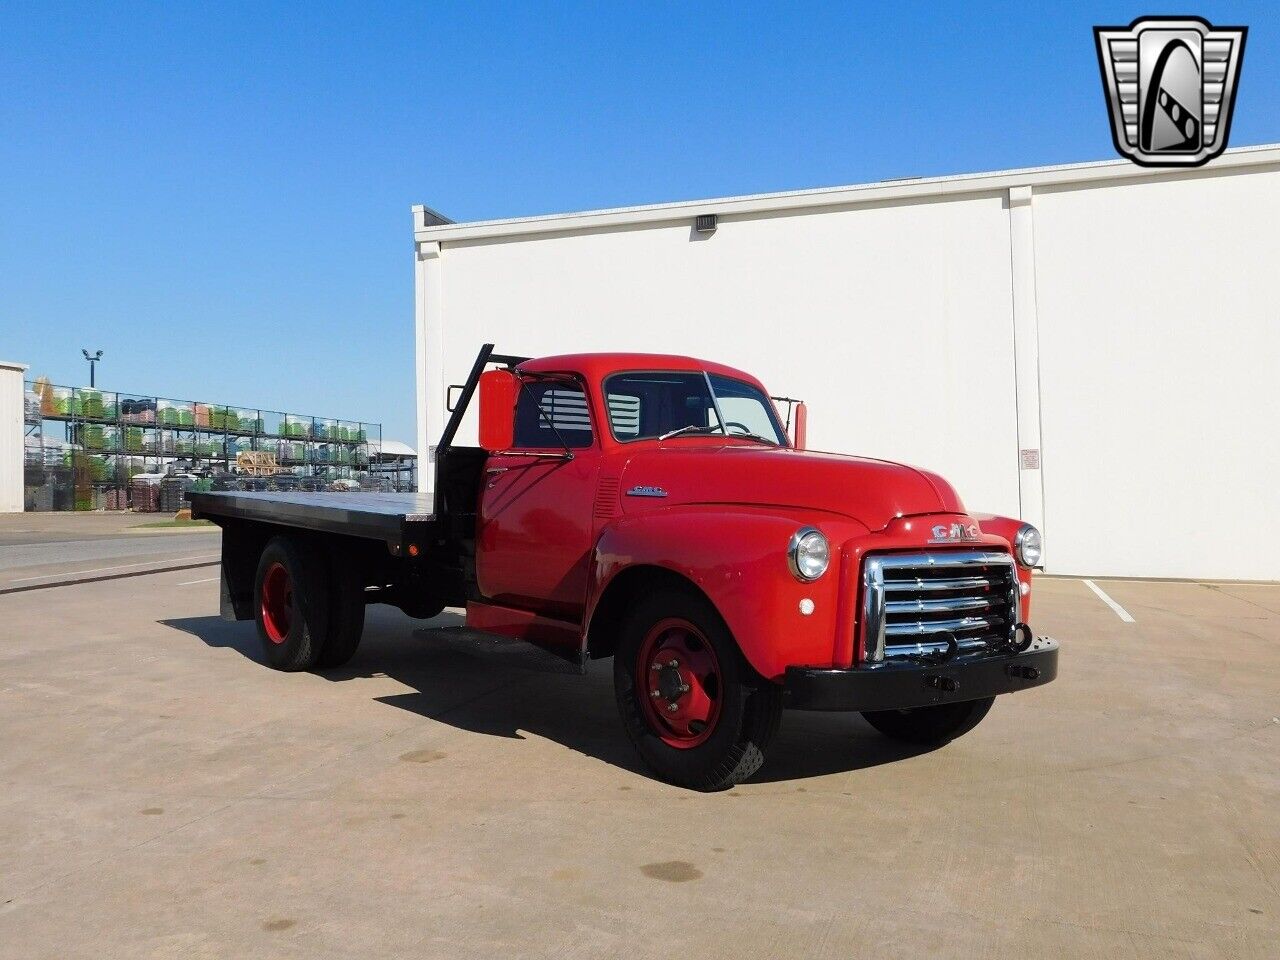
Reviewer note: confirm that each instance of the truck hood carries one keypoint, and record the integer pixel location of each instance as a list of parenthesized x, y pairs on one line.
[(873, 492)]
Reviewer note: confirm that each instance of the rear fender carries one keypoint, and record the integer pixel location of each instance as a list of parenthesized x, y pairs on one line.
[(738, 559)]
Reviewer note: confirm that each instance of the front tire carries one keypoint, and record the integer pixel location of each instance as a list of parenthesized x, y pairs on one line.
[(930, 726), (695, 711), (291, 604)]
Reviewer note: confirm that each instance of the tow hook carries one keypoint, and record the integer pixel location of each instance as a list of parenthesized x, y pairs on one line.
[(1022, 637), (945, 684)]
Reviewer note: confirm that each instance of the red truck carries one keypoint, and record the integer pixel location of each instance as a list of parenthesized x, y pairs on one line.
[(653, 509)]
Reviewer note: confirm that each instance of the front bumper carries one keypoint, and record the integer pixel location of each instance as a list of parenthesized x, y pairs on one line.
[(899, 685)]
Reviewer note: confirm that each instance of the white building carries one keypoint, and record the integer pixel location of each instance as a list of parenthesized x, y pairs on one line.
[(1094, 348), (11, 436)]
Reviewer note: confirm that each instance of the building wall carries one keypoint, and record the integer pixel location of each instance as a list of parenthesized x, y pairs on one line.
[(1159, 316), (863, 314), (1091, 348), (11, 419)]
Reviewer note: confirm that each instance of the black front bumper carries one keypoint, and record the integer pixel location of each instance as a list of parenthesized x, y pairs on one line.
[(898, 685)]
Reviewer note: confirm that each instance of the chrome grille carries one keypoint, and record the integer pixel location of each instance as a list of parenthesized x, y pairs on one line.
[(911, 602)]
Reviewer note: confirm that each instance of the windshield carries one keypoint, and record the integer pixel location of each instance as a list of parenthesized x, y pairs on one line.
[(661, 404)]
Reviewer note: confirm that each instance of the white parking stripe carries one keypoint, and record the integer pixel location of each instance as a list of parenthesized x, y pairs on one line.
[(118, 566), (188, 583), (1120, 611)]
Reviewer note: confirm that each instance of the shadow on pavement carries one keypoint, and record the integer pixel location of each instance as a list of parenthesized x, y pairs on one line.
[(578, 712)]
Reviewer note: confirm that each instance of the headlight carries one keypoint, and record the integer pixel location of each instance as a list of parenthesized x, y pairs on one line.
[(808, 554), (1028, 546)]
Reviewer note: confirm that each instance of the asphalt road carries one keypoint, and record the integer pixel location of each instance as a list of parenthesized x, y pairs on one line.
[(166, 795), (53, 547)]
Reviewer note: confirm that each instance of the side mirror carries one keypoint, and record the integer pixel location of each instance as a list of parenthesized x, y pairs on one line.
[(802, 425), (498, 391)]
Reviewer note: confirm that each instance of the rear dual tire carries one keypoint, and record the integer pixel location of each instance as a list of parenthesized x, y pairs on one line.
[(308, 604)]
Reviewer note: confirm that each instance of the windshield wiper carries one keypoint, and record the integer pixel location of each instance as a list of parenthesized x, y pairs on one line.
[(691, 428), (755, 436)]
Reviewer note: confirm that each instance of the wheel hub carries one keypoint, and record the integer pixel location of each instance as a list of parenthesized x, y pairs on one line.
[(682, 678), (671, 682)]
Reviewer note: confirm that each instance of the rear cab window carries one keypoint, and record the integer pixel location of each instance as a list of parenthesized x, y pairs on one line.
[(552, 415)]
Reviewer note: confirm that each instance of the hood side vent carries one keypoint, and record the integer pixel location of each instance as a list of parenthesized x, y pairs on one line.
[(606, 505)]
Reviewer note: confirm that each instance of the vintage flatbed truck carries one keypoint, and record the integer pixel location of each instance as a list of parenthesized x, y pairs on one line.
[(653, 509)]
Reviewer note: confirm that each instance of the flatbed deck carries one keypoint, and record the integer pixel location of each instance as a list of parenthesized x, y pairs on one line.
[(394, 518)]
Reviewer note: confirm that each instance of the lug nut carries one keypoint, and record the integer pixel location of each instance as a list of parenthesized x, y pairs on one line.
[(684, 688), (672, 708), (654, 693), (674, 663)]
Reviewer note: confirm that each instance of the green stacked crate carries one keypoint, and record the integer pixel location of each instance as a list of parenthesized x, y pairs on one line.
[(91, 435), (91, 404), (185, 417), (133, 439), (217, 418)]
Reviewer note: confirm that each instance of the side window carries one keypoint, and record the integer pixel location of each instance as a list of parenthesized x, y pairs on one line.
[(545, 409)]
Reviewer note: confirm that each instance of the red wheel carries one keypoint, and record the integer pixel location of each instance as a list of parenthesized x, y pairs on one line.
[(692, 706), (291, 596), (685, 688), (277, 603)]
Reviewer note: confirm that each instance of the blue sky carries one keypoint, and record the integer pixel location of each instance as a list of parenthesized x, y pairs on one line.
[(218, 195)]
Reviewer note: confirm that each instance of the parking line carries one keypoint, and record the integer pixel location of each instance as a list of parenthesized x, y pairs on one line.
[(119, 566), (205, 580), (1120, 611)]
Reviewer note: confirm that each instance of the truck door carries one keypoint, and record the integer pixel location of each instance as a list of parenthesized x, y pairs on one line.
[(534, 530)]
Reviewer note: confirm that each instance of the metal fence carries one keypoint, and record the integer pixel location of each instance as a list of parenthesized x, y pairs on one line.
[(85, 449)]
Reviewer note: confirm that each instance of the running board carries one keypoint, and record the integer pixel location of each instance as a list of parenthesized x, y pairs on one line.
[(506, 651)]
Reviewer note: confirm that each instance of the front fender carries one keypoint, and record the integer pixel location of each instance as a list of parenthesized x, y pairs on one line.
[(738, 558)]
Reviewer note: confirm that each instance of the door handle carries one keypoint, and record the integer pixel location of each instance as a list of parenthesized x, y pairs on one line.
[(497, 469)]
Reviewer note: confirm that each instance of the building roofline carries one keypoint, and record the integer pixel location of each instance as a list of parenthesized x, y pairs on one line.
[(427, 227)]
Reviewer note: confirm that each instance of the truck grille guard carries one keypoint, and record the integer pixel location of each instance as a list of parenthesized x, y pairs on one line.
[(930, 607)]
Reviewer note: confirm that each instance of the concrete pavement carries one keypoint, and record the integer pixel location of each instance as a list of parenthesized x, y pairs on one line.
[(165, 795)]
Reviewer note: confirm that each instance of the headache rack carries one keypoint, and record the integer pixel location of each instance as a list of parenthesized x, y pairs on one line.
[(920, 604)]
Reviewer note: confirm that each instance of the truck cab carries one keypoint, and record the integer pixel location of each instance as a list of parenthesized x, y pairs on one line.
[(657, 510)]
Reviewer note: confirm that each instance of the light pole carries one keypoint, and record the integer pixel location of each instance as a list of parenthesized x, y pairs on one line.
[(93, 359)]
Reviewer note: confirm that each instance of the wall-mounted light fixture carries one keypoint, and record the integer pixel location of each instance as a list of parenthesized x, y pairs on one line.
[(705, 223)]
